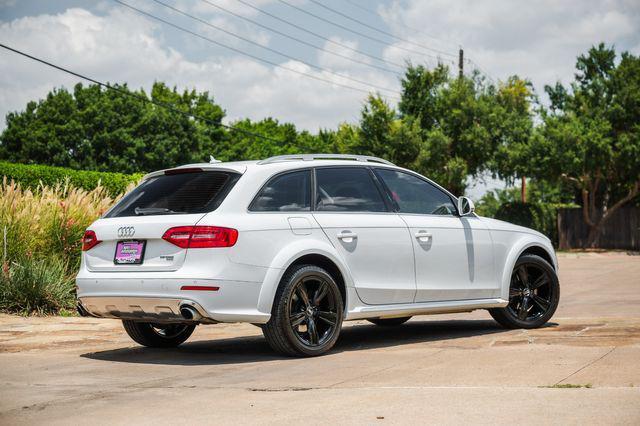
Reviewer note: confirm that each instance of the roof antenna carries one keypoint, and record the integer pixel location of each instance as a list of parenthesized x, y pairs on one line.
[(212, 160)]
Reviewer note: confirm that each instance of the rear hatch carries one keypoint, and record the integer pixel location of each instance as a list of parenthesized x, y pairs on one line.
[(131, 234)]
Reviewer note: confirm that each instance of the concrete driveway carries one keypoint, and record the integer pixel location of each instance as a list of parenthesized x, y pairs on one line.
[(583, 367)]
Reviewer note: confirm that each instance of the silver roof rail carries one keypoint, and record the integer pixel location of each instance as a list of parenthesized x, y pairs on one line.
[(310, 157)]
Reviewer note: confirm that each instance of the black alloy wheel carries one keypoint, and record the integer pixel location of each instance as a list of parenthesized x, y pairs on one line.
[(534, 293), (307, 313), (312, 311)]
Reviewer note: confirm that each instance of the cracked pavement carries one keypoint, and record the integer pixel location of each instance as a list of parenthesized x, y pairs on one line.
[(436, 369)]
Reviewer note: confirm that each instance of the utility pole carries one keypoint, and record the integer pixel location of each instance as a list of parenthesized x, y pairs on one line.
[(523, 189), (461, 62)]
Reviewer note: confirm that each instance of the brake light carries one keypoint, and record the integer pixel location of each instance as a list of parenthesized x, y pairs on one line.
[(90, 240), (201, 236)]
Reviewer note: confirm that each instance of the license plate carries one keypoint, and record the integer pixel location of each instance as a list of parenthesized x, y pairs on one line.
[(129, 252)]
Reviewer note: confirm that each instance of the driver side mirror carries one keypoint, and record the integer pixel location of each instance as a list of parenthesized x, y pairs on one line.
[(465, 206)]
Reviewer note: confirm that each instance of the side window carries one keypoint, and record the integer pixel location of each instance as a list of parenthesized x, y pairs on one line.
[(349, 189), (288, 192), (414, 195)]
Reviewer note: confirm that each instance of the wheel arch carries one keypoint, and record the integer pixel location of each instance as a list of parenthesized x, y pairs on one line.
[(526, 245), (292, 256)]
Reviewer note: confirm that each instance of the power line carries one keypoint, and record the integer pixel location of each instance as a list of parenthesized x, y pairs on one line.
[(376, 14), (139, 97), (257, 58), (377, 40), (277, 52), (320, 36), (299, 40), (344, 15)]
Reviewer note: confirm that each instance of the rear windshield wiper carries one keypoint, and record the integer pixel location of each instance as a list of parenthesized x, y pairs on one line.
[(141, 211)]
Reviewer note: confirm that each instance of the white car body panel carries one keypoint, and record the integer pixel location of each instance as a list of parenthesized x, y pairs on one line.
[(380, 255), (385, 270)]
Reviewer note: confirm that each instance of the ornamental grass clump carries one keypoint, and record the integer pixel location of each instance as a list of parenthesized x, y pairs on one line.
[(40, 234)]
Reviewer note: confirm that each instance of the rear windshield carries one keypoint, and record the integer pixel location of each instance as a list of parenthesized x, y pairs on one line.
[(181, 193)]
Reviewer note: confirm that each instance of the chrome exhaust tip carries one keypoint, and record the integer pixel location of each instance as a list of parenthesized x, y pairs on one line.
[(190, 313)]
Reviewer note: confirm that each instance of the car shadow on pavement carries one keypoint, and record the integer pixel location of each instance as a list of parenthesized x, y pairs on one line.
[(361, 336)]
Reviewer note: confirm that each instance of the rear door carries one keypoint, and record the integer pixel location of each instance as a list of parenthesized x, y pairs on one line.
[(130, 234), (453, 254), (373, 241)]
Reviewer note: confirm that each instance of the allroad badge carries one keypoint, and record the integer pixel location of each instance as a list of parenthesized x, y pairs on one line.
[(126, 231)]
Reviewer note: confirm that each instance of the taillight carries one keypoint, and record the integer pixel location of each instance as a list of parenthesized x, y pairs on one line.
[(201, 236), (90, 240)]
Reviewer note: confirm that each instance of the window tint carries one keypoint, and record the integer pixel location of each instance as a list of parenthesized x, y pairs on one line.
[(347, 189), (181, 193), (287, 192), (414, 195)]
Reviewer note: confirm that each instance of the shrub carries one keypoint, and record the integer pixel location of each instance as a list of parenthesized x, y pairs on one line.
[(36, 285), (33, 176)]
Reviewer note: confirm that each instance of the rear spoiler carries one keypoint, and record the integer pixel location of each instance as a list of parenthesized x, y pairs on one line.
[(206, 167)]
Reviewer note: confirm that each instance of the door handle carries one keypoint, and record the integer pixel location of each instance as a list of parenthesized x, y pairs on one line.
[(347, 236), (423, 236)]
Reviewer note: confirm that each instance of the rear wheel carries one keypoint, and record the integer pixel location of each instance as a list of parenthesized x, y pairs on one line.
[(534, 293), (388, 322), (307, 313), (158, 335)]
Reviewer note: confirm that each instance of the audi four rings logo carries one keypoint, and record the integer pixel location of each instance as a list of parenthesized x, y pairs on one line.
[(126, 231)]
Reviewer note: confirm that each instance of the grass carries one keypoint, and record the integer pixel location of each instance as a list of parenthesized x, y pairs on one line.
[(568, 386), (40, 233), (36, 286)]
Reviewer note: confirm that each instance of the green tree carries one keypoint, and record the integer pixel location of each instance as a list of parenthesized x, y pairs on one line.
[(97, 129), (383, 134), (464, 122), (591, 135)]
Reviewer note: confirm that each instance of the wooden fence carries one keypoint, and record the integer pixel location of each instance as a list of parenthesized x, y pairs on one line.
[(621, 231)]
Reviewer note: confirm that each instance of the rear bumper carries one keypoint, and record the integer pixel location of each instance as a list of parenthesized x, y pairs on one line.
[(156, 309), (159, 299)]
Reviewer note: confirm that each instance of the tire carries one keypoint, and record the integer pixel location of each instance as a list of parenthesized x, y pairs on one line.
[(533, 294), (306, 317), (158, 335), (388, 322)]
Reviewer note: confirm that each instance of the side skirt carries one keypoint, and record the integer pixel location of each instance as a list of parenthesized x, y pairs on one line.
[(425, 308)]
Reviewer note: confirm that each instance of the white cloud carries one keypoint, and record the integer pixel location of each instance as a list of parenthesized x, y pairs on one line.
[(539, 40), (123, 47)]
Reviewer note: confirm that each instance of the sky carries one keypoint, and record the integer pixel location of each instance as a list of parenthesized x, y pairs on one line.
[(317, 83)]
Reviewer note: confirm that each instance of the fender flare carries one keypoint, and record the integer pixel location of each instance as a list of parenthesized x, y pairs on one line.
[(286, 257), (516, 251)]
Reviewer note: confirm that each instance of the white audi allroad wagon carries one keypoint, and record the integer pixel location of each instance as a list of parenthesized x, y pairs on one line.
[(298, 244)]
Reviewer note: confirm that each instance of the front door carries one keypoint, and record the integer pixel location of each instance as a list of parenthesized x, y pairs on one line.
[(453, 255), (373, 241)]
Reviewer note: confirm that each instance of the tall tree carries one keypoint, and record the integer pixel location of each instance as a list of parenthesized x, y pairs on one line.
[(463, 122), (96, 129), (591, 135)]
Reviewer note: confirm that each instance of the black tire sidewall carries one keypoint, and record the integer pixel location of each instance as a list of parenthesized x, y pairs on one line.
[(282, 306), (505, 315)]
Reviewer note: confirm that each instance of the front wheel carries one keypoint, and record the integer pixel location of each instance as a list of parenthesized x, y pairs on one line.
[(307, 313), (534, 294), (158, 335)]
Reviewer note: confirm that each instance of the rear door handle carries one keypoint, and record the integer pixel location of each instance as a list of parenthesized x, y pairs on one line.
[(347, 236), (423, 236)]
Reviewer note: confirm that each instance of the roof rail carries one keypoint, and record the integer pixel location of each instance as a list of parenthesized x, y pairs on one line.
[(310, 157)]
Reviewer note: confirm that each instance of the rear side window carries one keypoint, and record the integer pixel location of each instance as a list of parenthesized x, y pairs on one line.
[(347, 189), (414, 195), (181, 193), (289, 192)]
